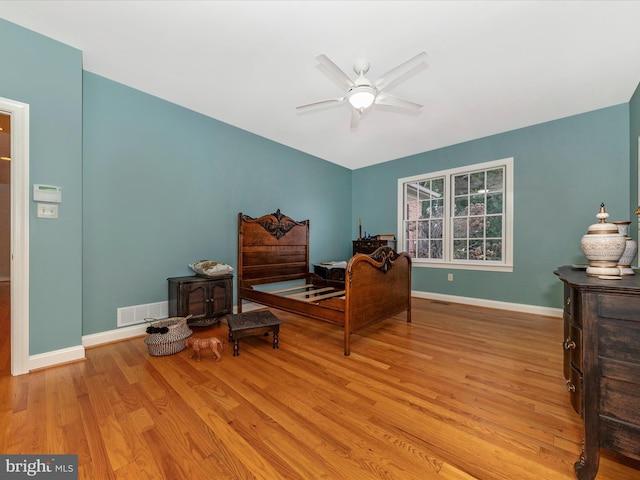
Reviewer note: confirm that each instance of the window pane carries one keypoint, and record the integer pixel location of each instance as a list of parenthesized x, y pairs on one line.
[(436, 229), (494, 227), (424, 189), (411, 248), (423, 229), (476, 227), (437, 185), (494, 250), (410, 230), (423, 248), (495, 180), (476, 250), (461, 206), (494, 203), (460, 229), (461, 185), (412, 210), (477, 205), (477, 182), (436, 249), (460, 249), (410, 192), (425, 209), (438, 208)]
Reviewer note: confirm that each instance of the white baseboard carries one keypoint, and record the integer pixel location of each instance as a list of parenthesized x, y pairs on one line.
[(480, 302), (124, 333), (71, 354), (116, 335), (56, 357)]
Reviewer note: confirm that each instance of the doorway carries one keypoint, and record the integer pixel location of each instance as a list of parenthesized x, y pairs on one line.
[(5, 243), (17, 115)]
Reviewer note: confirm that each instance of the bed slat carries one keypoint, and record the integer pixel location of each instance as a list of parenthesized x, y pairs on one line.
[(307, 285), (311, 292), (337, 293)]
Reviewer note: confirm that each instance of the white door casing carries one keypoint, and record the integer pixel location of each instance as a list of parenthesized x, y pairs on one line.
[(19, 113)]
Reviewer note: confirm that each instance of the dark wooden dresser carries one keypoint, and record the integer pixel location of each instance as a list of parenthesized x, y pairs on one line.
[(371, 245), (602, 363)]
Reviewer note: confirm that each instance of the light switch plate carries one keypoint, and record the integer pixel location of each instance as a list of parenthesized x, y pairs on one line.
[(47, 210)]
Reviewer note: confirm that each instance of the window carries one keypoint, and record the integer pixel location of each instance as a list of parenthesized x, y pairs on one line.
[(459, 218)]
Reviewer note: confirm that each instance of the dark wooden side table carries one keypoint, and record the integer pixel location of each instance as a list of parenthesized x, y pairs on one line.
[(206, 299), (252, 323)]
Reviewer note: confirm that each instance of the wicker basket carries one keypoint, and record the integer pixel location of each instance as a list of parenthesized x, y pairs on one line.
[(171, 342)]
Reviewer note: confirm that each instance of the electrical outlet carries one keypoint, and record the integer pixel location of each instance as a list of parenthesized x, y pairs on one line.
[(450, 277)]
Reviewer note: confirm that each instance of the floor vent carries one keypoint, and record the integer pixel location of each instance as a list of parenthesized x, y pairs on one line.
[(440, 302), (136, 314)]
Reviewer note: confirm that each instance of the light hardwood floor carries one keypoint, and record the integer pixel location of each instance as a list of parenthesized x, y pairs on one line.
[(460, 393)]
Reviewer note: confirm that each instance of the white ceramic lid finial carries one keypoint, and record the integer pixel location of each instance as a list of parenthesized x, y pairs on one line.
[(602, 214)]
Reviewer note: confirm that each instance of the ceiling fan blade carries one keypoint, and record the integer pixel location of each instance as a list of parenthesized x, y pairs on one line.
[(322, 103), (355, 118), (385, 98), (397, 72), (338, 74)]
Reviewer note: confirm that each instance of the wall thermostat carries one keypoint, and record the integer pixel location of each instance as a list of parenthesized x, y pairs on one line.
[(47, 193)]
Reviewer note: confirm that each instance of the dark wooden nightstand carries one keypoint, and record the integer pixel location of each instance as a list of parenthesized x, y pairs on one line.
[(206, 298), (330, 272)]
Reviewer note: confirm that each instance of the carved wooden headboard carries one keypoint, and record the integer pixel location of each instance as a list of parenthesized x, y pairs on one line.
[(272, 248)]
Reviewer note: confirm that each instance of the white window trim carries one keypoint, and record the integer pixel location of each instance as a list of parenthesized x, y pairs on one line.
[(507, 263)]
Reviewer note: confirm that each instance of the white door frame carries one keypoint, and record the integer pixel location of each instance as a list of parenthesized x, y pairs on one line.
[(19, 113)]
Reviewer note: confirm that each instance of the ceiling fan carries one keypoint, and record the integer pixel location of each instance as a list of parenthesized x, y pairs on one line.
[(362, 93)]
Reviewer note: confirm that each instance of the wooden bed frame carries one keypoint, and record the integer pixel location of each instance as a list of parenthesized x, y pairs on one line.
[(275, 248)]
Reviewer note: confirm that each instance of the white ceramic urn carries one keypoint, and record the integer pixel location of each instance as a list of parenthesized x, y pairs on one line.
[(630, 251), (603, 245)]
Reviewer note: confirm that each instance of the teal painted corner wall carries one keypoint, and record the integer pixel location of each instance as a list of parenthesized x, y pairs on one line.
[(47, 75), (634, 156), (563, 170), (163, 187)]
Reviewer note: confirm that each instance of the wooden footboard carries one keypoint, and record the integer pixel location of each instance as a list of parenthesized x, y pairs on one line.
[(378, 286), (275, 248)]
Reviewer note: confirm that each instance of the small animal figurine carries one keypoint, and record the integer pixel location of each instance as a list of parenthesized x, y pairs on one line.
[(199, 344)]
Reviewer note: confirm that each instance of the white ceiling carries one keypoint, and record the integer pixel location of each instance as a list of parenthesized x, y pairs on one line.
[(493, 66)]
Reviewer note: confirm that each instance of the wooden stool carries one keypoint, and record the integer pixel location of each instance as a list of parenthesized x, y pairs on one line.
[(246, 324)]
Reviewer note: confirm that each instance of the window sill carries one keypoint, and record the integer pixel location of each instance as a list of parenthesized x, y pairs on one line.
[(461, 266)]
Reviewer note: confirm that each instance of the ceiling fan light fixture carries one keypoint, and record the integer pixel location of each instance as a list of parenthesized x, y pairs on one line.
[(362, 97)]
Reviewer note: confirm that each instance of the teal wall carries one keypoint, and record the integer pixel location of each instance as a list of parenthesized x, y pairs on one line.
[(47, 75), (163, 186), (563, 170)]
